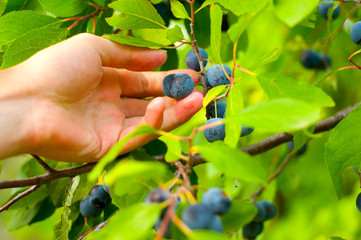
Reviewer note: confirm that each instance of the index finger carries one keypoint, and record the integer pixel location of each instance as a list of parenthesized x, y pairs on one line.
[(117, 55)]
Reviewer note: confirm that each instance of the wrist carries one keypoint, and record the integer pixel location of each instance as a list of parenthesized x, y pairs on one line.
[(16, 102)]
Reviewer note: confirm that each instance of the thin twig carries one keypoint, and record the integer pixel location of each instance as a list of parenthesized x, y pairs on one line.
[(197, 159), (280, 138), (199, 57), (99, 226), (18, 197), (47, 177), (42, 163)]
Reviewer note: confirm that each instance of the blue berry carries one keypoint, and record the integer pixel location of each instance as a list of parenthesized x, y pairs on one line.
[(356, 33), (310, 59), (221, 109), (192, 60), (261, 213), (216, 225), (358, 202), (177, 85), (215, 133), (216, 200), (199, 216), (88, 210), (157, 195), (324, 7), (269, 208), (246, 131), (216, 76), (252, 230), (99, 196), (302, 150), (167, 84), (325, 62)]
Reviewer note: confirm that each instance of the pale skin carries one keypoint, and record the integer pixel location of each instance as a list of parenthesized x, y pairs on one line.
[(73, 101)]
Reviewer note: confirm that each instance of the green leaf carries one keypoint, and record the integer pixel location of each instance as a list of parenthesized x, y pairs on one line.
[(175, 34), (293, 12), (278, 115), (3, 6), (278, 86), (15, 24), (343, 148), (30, 43), (211, 94), (233, 162), (237, 7), (61, 228), (133, 41), (23, 216), (174, 149), (31, 199), (241, 213), (46, 209), (207, 235), (135, 14), (158, 36), (135, 169), (179, 10), (301, 137), (64, 8), (133, 223), (270, 56), (57, 190), (114, 152), (216, 23), (234, 106), (337, 238)]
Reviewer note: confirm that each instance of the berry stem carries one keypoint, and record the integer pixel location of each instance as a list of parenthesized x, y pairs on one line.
[(196, 50), (90, 15)]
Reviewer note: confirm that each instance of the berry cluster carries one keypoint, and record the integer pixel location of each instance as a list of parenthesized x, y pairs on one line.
[(204, 215), (93, 204), (311, 59), (325, 7), (181, 85), (266, 211)]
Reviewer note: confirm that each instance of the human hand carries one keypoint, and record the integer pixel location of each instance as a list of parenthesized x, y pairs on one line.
[(81, 104)]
